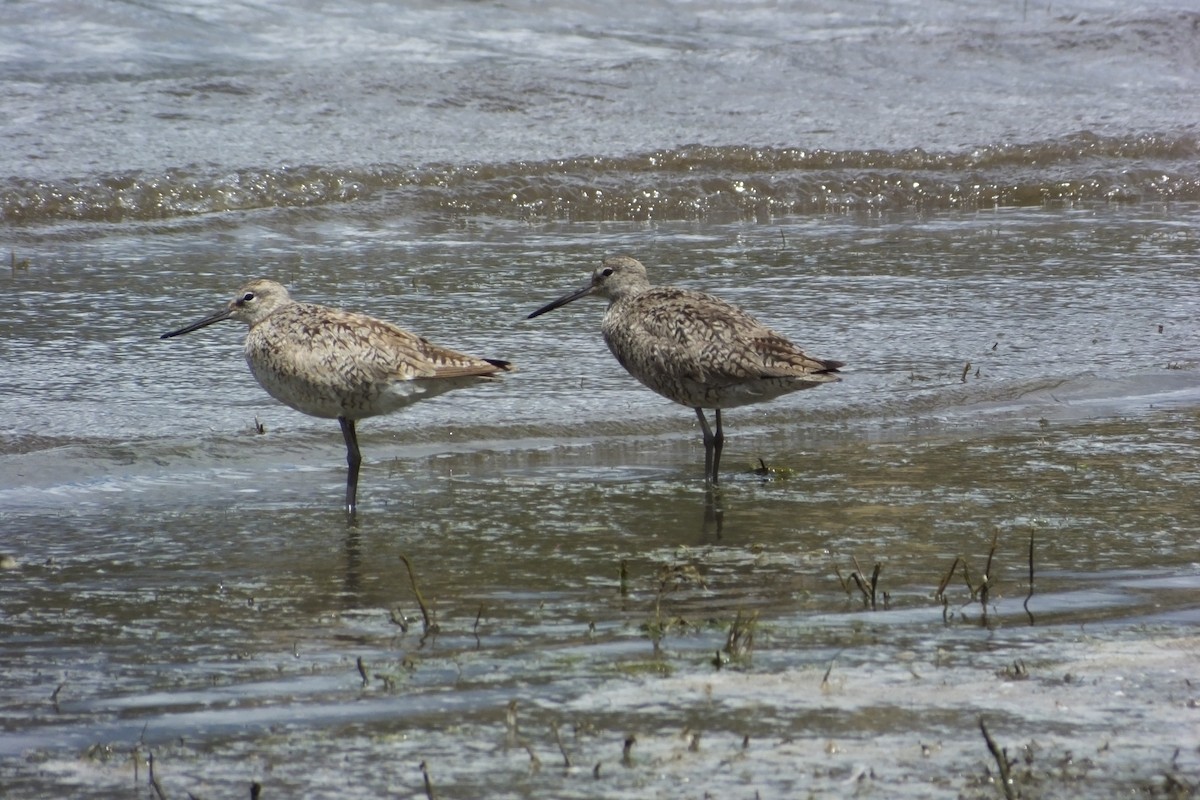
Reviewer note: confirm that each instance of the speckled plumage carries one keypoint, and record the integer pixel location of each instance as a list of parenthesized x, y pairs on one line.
[(335, 364), (694, 348)]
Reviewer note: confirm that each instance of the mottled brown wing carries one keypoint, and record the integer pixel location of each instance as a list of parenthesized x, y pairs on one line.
[(781, 358), (342, 345), (447, 363), (692, 335)]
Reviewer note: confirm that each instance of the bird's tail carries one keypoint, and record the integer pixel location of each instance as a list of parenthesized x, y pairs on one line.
[(828, 365)]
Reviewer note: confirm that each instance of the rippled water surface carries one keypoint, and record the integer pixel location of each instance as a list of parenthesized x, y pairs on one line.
[(989, 212)]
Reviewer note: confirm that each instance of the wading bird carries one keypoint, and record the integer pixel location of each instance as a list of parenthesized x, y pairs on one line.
[(335, 364), (695, 349)]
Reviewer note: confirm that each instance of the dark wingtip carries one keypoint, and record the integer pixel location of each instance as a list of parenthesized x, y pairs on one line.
[(498, 364), (832, 366)]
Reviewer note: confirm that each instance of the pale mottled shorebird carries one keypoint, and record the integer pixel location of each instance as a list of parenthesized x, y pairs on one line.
[(694, 348), (335, 364)]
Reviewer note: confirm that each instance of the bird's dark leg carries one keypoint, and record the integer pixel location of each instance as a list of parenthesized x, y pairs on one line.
[(718, 443), (353, 461), (709, 475), (714, 514)]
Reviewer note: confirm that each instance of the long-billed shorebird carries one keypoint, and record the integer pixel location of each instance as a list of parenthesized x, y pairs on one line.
[(694, 348), (335, 364)]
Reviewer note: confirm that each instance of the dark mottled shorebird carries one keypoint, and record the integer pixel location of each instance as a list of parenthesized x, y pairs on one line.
[(335, 364), (694, 348)]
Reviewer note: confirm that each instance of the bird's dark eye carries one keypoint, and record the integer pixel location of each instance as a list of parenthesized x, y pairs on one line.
[(604, 273), (248, 297)]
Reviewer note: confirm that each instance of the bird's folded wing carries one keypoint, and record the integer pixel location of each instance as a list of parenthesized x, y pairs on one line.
[(343, 347), (703, 338)]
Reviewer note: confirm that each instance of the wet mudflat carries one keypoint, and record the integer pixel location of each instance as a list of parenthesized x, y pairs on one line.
[(988, 211), (840, 616), (823, 627)]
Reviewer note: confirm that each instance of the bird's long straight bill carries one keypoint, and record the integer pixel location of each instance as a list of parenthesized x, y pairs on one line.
[(223, 314), (562, 301)]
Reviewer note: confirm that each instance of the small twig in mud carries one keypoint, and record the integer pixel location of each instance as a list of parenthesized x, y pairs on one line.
[(966, 572), (941, 590), (428, 781), (627, 750), (23, 264), (740, 640), (596, 771), (54, 696), (397, 618), (1029, 596), (857, 566), (856, 576), (562, 748), (535, 763), (1032, 532), (987, 574), (430, 625), (868, 588), (1001, 761), (845, 586), (858, 582), (137, 749), (475, 628), (624, 576), (362, 671), (154, 784), (255, 790), (960, 562), (966, 372), (510, 722), (825, 677), (1173, 787), (1017, 671)]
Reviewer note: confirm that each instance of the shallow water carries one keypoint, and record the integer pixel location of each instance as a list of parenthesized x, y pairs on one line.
[(156, 629), (989, 212)]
